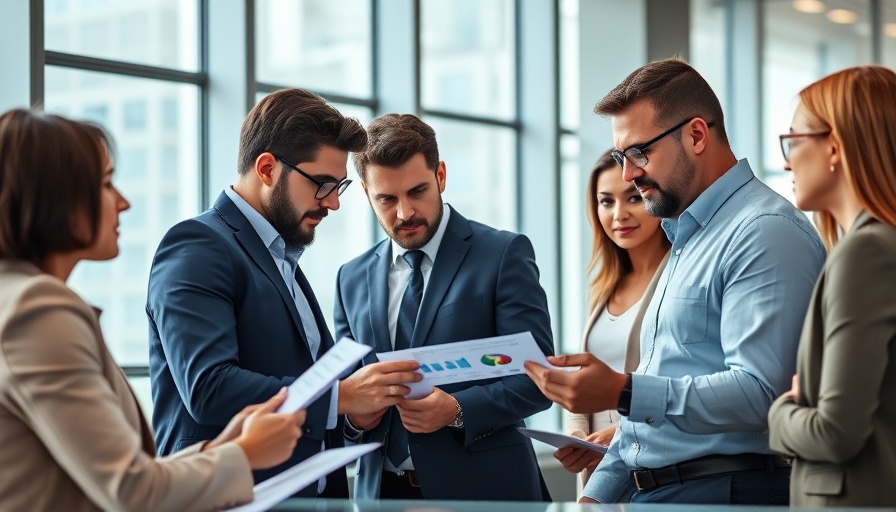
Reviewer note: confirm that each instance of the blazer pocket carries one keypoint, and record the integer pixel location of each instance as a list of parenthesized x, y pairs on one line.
[(459, 306), (499, 439), (689, 308), (824, 481)]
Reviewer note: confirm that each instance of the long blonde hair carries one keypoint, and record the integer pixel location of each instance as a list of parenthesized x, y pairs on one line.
[(858, 104)]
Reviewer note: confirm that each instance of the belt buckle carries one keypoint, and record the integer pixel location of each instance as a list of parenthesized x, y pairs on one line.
[(644, 480), (412, 478)]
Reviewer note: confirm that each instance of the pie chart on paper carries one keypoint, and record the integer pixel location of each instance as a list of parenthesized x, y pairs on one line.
[(495, 359)]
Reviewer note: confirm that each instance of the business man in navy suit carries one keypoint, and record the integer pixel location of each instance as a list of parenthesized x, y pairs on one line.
[(232, 317), (464, 280)]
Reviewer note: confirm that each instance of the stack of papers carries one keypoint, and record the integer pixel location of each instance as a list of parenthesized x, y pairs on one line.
[(560, 440)]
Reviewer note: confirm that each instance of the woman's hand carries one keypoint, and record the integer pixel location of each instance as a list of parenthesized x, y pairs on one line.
[(266, 437)]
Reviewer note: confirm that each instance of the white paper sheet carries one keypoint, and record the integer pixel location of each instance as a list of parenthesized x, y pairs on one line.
[(560, 440), (464, 361), (315, 381), (276, 489)]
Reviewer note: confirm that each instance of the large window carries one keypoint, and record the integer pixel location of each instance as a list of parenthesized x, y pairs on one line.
[(155, 124), (803, 42), (325, 47)]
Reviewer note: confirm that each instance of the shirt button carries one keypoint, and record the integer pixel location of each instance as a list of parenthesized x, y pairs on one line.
[(635, 445), (678, 251)]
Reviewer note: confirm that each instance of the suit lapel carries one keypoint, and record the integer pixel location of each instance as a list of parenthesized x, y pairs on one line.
[(248, 239), (378, 297), (451, 254), (326, 340)]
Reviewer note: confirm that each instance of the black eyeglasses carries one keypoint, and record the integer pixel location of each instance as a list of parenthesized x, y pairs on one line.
[(635, 154), (787, 141), (324, 188)]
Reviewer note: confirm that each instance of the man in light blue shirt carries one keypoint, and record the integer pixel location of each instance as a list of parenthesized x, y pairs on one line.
[(719, 338)]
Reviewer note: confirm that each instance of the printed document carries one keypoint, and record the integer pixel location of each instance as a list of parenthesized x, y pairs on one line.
[(463, 361), (276, 489), (560, 440), (315, 381)]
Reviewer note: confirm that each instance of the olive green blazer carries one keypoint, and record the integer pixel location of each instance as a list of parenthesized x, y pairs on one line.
[(842, 432)]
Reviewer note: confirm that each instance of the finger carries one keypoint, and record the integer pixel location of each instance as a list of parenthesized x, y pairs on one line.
[(536, 372), (398, 390), (273, 403), (395, 366), (298, 417), (583, 359), (400, 377)]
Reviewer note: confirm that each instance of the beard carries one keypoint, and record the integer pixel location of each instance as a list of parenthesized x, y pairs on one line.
[(415, 242), (671, 198), (286, 221)]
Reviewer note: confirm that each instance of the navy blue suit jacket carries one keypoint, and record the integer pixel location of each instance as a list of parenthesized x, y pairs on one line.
[(225, 333), (484, 283)]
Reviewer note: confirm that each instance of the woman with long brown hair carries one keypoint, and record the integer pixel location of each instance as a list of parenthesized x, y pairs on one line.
[(72, 436), (838, 421), (629, 250)]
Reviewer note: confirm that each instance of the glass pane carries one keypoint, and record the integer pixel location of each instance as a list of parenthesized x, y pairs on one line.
[(888, 8), (481, 163), (317, 44), (573, 230), (467, 57), (161, 33), (707, 48), (569, 64), (801, 47), (156, 130)]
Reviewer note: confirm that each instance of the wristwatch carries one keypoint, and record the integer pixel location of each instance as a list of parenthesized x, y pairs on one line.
[(458, 416), (625, 397)]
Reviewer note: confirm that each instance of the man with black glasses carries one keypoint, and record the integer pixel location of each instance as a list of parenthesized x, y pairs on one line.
[(440, 278), (719, 338), (232, 318)]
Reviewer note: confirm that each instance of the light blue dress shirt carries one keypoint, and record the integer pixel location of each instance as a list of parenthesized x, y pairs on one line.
[(719, 338)]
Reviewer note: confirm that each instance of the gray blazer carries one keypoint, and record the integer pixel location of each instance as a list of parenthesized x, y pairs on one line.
[(842, 432), (72, 434)]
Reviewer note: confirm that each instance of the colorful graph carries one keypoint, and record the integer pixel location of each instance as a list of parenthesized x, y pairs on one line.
[(495, 359)]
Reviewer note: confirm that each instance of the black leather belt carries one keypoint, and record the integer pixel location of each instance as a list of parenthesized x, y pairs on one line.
[(705, 467)]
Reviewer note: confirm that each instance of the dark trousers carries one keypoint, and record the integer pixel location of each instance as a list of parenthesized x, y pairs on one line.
[(760, 487), (399, 487)]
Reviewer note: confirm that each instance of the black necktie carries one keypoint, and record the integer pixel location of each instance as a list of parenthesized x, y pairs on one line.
[(397, 449)]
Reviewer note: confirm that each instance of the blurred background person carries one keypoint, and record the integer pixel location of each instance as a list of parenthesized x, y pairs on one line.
[(629, 251), (72, 434), (839, 419)]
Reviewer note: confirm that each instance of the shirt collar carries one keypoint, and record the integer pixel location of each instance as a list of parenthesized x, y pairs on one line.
[(269, 236), (707, 204), (432, 247)]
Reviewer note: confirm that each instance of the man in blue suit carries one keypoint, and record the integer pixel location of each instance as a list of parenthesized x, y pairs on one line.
[(460, 442), (232, 317)]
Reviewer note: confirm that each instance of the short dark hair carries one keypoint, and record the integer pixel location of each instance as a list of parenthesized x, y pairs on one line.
[(395, 139), (294, 124), (674, 89), (51, 172)]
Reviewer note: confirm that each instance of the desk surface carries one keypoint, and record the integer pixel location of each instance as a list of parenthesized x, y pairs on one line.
[(311, 505)]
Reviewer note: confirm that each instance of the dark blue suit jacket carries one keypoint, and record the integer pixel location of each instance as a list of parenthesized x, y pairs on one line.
[(225, 333), (484, 283)]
